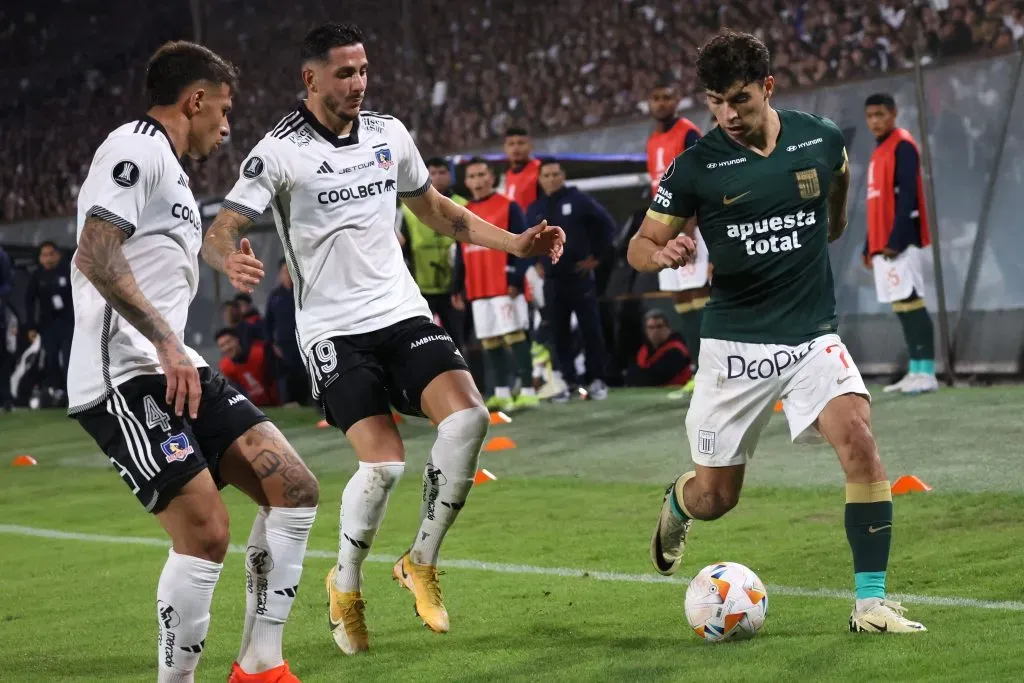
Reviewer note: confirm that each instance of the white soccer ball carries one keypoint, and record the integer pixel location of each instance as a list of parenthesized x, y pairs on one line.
[(726, 601)]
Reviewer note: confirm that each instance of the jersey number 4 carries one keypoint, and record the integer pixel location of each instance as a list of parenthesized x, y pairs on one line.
[(155, 416)]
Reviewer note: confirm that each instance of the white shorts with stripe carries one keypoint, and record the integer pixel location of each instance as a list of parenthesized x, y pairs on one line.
[(497, 316), (738, 384)]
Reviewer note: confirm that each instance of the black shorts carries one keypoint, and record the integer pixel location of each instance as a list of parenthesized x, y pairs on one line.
[(157, 452), (360, 375)]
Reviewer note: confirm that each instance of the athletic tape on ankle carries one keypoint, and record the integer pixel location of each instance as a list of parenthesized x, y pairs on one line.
[(877, 492), (678, 492)]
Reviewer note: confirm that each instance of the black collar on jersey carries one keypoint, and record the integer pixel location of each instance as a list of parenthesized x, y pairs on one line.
[(879, 141), (351, 139), (160, 127)]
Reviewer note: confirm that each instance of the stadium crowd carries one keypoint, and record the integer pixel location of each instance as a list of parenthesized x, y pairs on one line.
[(458, 72)]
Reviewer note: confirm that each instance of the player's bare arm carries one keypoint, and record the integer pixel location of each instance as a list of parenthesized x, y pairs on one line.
[(448, 218), (662, 241), (223, 252), (837, 196), (100, 257)]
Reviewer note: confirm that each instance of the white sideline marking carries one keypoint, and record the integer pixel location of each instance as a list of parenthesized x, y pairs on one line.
[(502, 568)]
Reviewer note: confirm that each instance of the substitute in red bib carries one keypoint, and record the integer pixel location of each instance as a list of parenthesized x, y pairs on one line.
[(492, 282), (520, 183), (897, 235), (332, 174), (673, 135)]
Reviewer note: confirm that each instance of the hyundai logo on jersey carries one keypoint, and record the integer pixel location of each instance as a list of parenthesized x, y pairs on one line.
[(177, 448), (383, 156)]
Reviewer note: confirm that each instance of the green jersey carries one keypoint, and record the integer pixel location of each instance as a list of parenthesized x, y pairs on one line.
[(765, 223)]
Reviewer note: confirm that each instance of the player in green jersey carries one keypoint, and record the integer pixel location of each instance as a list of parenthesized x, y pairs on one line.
[(768, 188)]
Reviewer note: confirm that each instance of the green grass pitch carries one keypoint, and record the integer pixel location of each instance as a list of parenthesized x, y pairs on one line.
[(547, 576)]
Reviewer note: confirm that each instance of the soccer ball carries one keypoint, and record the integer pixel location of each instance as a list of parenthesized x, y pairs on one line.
[(726, 601)]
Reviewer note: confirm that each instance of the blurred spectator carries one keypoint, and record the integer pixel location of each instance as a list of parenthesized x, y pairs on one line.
[(663, 360), (569, 285), (50, 314), (286, 363), (7, 349), (250, 314), (457, 72), (246, 369)]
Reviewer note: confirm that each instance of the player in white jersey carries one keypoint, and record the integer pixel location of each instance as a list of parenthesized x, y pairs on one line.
[(331, 174), (175, 430)]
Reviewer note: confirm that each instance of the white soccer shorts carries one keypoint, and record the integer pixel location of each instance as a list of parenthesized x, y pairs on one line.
[(897, 279), (738, 384), (691, 276), (500, 315)]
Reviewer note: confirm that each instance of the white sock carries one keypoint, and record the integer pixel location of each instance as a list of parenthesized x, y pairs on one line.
[(502, 392), (183, 599), (273, 567), (448, 478), (363, 504), (528, 391)]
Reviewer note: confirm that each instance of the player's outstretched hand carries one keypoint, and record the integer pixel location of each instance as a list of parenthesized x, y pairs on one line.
[(677, 253), (243, 269), (183, 387), (540, 240)]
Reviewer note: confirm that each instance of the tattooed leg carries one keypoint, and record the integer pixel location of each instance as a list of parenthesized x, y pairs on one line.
[(263, 464)]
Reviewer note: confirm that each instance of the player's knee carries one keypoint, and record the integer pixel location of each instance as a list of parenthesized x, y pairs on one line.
[(207, 537), (468, 424), (720, 502), (304, 492)]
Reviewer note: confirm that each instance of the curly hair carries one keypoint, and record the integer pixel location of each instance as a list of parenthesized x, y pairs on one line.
[(730, 57)]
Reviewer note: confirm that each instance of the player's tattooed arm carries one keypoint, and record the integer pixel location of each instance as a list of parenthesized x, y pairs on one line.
[(837, 198), (446, 217), (223, 252), (100, 257)]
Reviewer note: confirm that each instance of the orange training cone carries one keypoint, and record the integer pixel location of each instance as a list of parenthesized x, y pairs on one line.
[(908, 483), (499, 418), (778, 406), (483, 477), (397, 418), (500, 443), (23, 461), (322, 424)]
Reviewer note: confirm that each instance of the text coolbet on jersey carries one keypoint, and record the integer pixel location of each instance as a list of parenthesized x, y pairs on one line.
[(765, 222), (136, 183), (334, 202)]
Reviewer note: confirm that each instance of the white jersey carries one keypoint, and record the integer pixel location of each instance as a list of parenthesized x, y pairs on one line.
[(136, 183), (334, 201)]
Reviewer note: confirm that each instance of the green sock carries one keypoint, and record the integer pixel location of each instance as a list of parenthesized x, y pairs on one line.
[(869, 531), (689, 322), (497, 359), (524, 362), (924, 335)]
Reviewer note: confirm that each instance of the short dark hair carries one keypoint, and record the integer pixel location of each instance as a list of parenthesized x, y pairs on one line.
[(230, 303), (178, 64), (326, 37), (883, 99), (516, 130), (241, 296), (226, 332), (434, 162), (48, 243), (730, 57), (548, 161), (666, 79), (282, 262), (473, 161), (655, 314)]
